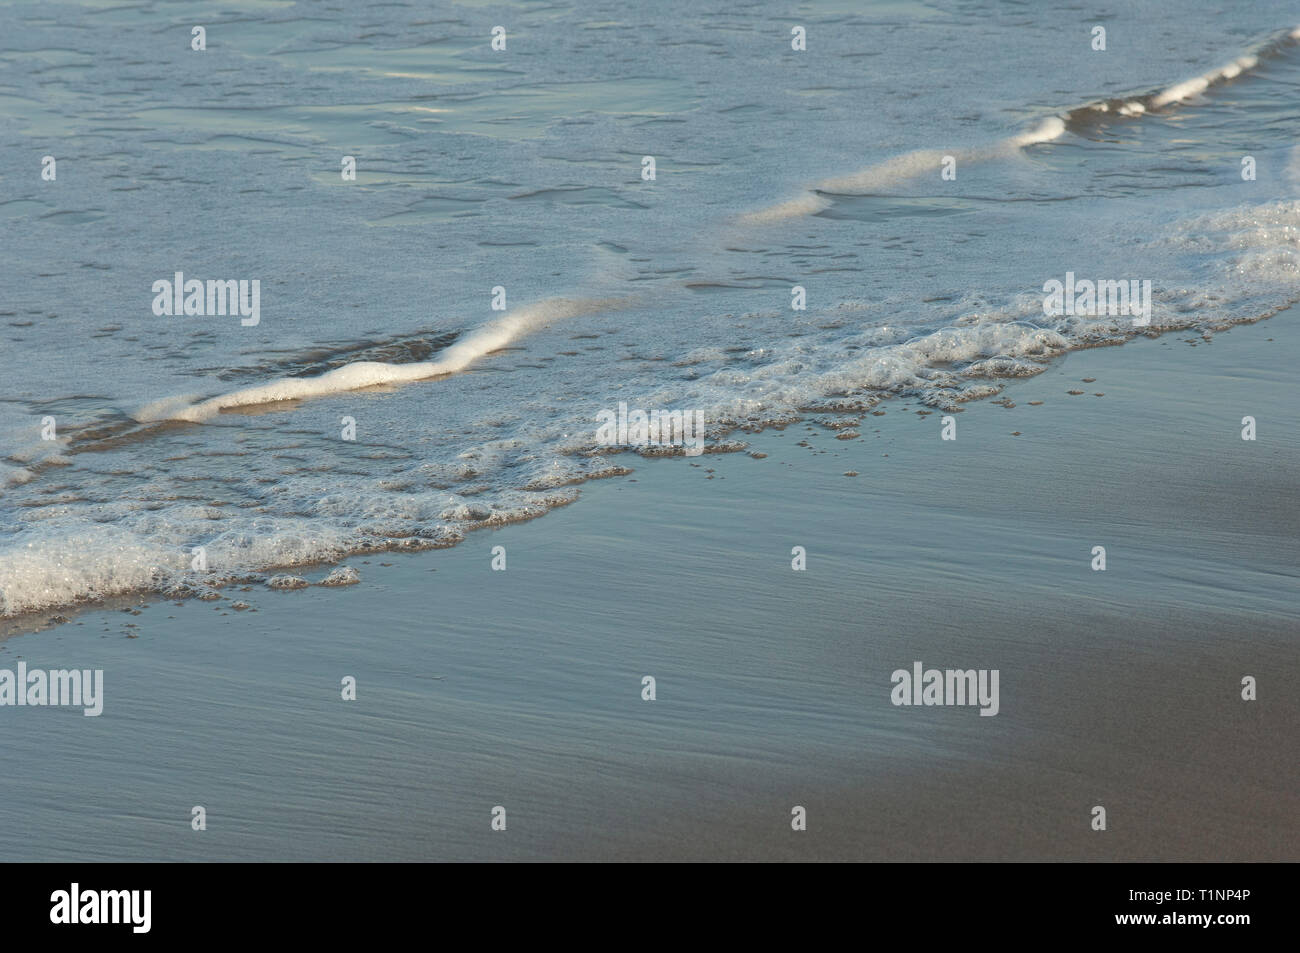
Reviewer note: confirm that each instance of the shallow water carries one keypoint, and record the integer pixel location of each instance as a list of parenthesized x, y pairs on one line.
[(522, 169)]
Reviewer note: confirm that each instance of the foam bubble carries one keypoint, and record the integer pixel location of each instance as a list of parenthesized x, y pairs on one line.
[(14, 476)]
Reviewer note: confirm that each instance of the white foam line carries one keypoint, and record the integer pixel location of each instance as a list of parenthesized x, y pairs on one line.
[(1198, 84), (882, 175), (460, 355), (795, 208)]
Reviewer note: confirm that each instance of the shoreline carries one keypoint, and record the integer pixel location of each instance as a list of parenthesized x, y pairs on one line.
[(39, 620), (523, 688)]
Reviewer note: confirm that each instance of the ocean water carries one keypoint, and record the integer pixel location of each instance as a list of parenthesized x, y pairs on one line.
[(521, 169)]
